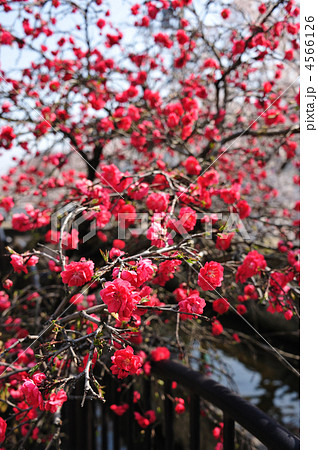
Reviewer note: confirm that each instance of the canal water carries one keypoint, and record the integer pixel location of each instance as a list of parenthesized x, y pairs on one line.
[(259, 377)]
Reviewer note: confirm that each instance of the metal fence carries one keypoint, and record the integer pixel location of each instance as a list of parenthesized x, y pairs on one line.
[(94, 428)]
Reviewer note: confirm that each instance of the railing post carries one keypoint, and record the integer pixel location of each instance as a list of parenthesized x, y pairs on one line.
[(116, 426), (147, 400), (131, 420), (169, 437), (194, 422), (90, 417), (104, 425), (228, 432)]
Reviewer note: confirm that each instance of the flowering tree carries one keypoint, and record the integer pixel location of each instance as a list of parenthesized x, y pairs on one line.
[(184, 116)]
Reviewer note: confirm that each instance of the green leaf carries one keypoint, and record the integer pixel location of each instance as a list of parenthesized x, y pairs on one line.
[(104, 255)]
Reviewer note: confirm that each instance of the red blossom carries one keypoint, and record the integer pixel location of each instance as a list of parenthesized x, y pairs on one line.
[(32, 394), (180, 407), (6, 137), (3, 428), (210, 276), (244, 209), (119, 410), (157, 202), (253, 263), (217, 328), (221, 305), (160, 353), (166, 271), (120, 297), (78, 273), (225, 13), (20, 263), (145, 420), (55, 401), (241, 309), (4, 301), (126, 363), (191, 304), (192, 166), (223, 241), (7, 203)]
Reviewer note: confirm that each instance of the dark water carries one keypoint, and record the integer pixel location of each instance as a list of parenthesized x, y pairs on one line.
[(278, 397), (262, 379)]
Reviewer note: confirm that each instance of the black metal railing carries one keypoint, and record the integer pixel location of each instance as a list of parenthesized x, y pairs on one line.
[(87, 430), (234, 407)]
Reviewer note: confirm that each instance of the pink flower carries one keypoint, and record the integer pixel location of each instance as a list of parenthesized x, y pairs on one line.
[(219, 446), (225, 13), (137, 396), (120, 298), (289, 54), (126, 363), (262, 8), (3, 428), (192, 304), (158, 202), (6, 37), (111, 175), (38, 378), (209, 178), (163, 39), (160, 353), (244, 209), (7, 203), (21, 222), (182, 37), (126, 215), (158, 235), (217, 328), (70, 240), (188, 218), (138, 191), (101, 23), (7, 284), (78, 273), (241, 309), (32, 394), (166, 271), (4, 301), (252, 264), (250, 292), (6, 137), (223, 241), (115, 252), (192, 166), (210, 276), (55, 401), (20, 264), (145, 420), (230, 195), (118, 243), (119, 410), (238, 47), (288, 314), (221, 305), (77, 298), (145, 270), (217, 432), (181, 292), (173, 120), (179, 408), (127, 275)]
